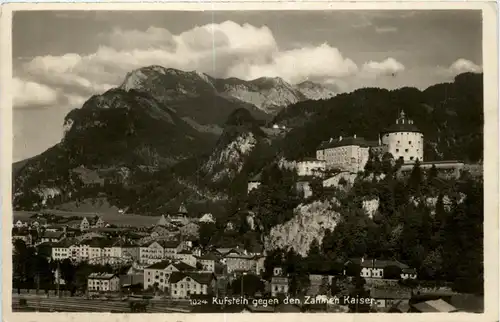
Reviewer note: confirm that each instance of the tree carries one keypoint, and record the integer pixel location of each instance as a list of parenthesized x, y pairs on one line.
[(415, 180), (324, 288), (314, 258), (206, 234), (251, 285), (68, 272)]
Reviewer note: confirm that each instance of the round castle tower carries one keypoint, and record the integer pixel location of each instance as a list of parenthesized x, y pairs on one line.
[(404, 140)]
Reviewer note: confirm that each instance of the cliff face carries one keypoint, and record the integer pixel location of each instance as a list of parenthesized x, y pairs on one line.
[(310, 222)]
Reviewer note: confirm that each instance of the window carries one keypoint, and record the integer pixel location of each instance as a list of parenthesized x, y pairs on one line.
[(175, 292), (276, 288), (397, 150), (149, 280), (409, 142), (411, 158), (406, 150)]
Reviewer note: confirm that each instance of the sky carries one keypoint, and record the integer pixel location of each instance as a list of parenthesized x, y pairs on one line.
[(61, 58)]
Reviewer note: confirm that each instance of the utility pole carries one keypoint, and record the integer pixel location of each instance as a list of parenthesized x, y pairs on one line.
[(58, 279)]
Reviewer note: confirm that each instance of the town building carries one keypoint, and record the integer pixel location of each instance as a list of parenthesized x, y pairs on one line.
[(52, 237), (183, 285), (151, 252), (185, 256), (279, 282), (23, 235), (103, 282), (159, 273), (208, 261), (84, 225)]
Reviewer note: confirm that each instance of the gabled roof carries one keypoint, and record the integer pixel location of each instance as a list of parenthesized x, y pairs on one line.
[(377, 263), (98, 242), (169, 243), (52, 234), (101, 276), (162, 221), (181, 266), (208, 256), (64, 243), (201, 278), (334, 143)]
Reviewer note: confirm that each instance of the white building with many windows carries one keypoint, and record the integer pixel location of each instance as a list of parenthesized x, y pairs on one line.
[(103, 282), (158, 274)]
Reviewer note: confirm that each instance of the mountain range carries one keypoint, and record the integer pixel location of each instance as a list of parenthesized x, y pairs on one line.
[(166, 136)]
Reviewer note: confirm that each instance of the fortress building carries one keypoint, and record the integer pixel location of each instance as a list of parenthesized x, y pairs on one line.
[(345, 154), (404, 140)]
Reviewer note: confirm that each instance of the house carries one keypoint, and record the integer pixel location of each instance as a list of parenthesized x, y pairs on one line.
[(151, 252), (374, 268), (52, 237), (184, 284), (186, 257), (433, 306), (387, 298), (131, 275), (279, 282), (239, 261), (61, 250), (159, 273), (20, 224), (208, 261), (171, 247), (103, 282), (99, 223), (84, 224)]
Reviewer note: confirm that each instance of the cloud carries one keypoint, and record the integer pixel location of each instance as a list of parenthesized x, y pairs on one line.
[(463, 65), (387, 67), (31, 94), (227, 49)]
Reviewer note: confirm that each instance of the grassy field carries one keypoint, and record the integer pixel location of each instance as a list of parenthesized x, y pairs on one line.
[(112, 218)]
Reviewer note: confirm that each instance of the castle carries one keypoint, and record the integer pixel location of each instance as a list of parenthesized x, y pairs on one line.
[(403, 140)]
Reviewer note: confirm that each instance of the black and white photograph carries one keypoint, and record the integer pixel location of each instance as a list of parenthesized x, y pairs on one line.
[(250, 161)]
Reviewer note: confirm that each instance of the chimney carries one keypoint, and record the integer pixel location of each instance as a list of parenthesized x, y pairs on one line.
[(331, 139), (354, 135), (340, 138), (362, 259)]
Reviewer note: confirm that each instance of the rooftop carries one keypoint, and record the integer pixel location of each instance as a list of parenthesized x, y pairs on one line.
[(346, 141), (403, 124), (201, 278), (101, 276)]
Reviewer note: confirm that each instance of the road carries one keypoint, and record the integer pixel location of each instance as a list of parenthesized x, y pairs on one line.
[(79, 304)]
